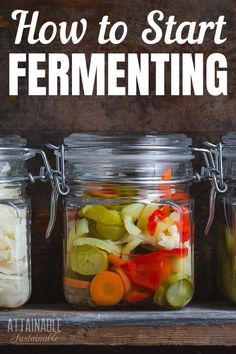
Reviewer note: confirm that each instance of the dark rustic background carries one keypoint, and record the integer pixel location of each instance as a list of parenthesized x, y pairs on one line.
[(42, 119)]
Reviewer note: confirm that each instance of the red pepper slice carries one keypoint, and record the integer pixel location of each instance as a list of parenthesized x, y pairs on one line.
[(185, 224), (179, 196), (165, 209), (153, 221), (150, 270), (176, 252), (148, 274), (159, 214), (166, 176), (72, 214), (136, 295)]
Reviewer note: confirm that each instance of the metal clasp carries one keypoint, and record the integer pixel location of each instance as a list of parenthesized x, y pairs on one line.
[(59, 186), (44, 171), (212, 171)]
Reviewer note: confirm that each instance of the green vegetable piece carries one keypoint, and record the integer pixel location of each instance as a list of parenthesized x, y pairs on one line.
[(230, 240), (92, 230), (88, 260), (182, 265), (117, 207), (130, 225), (159, 296), (81, 228), (130, 246), (180, 293), (110, 232), (134, 210), (174, 278), (226, 278), (71, 236), (106, 245), (102, 215)]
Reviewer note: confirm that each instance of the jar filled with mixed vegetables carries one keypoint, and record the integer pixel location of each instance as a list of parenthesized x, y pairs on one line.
[(128, 237)]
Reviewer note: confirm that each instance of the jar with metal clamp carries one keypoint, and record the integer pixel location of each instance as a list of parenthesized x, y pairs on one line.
[(227, 215), (15, 220), (128, 212)]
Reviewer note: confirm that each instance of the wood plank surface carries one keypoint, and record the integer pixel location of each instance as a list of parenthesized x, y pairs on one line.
[(200, 324)]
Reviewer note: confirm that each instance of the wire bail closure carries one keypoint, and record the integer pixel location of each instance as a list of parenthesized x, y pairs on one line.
[(58, 183), (46, 174), (57, 176), (213, 171), (44, 170)]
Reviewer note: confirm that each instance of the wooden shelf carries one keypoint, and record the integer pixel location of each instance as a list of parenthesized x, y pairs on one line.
[(199, 324)]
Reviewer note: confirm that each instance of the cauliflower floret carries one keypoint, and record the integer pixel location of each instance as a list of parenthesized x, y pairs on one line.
[(166, 242), (175, 217), (176, 237), (163, 226), (172, 229), (14, 268), (14, 290), (170, 240)]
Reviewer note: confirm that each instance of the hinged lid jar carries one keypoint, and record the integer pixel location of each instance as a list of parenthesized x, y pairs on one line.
[(227, 221), (15, 220), (128, 237)]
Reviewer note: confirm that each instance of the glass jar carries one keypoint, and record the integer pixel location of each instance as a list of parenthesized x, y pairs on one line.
[(128, 236), (227, 222), (15, 220)]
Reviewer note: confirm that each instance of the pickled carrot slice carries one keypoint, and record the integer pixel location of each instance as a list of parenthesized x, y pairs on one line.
[(124, 277), (114, 260), (76, 283), (107, 289)]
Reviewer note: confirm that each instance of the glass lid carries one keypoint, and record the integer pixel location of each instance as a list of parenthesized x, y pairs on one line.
[(12, 140), (229, 155), (82, 146), (229, 139), (229, 146), (12, 147), (137, 139), (13, 155), (127, 157)]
